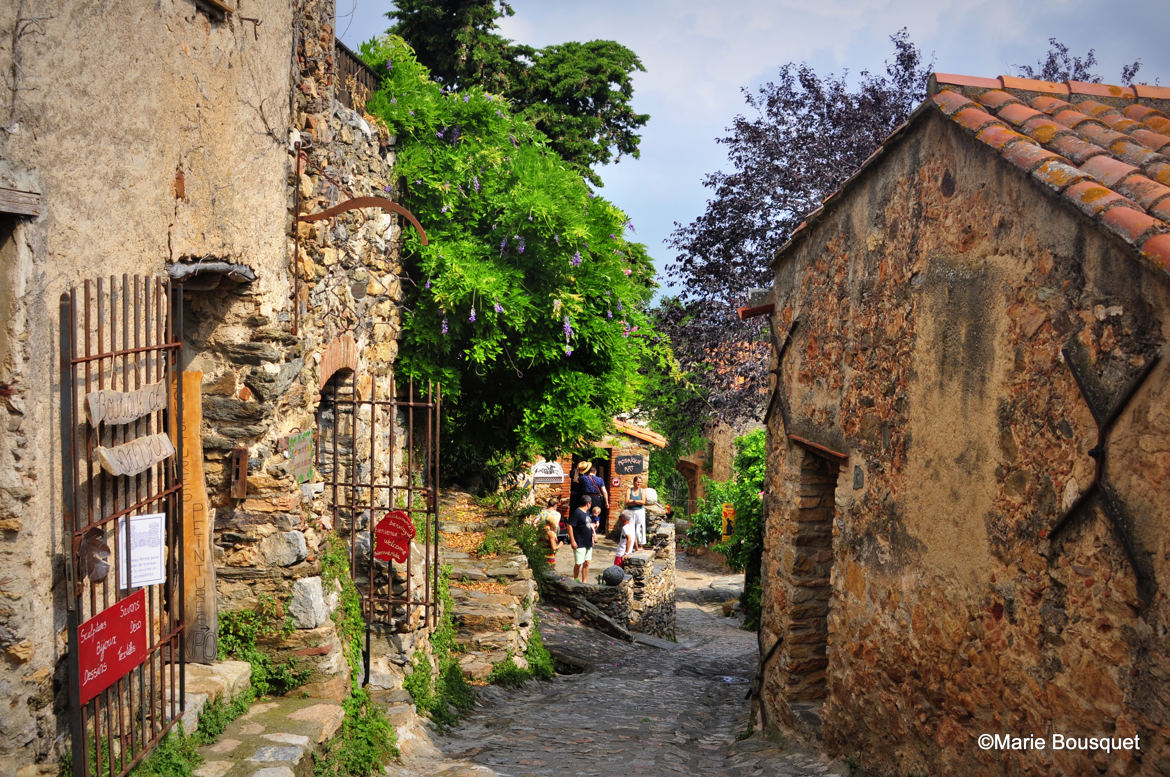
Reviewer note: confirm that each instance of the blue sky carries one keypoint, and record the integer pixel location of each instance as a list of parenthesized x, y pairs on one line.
[(698, 55)]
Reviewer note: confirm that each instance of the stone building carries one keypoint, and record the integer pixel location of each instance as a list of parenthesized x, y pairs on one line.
[(968, 513), (142, 145)]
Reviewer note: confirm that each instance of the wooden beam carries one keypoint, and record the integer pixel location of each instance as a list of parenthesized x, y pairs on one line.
[(819, 449), (218, 5), (759, 310), (19, 203)]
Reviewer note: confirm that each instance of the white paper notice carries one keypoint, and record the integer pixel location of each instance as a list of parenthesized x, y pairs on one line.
[(148, 548)]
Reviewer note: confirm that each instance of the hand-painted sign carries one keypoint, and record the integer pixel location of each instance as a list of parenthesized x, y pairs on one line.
[(548, 472), (628, 465), (136, 455), (122, 407), (110, 644), (300, 450), (392, 536)]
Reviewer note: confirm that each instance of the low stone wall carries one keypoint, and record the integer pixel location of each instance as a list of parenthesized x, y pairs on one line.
[(652, 609), (644, 602)]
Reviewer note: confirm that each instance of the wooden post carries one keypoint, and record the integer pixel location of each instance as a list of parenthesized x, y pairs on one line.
[(198, 560)]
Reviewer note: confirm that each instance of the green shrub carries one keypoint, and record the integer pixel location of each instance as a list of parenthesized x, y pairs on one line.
[(440, 698), (238, 632)]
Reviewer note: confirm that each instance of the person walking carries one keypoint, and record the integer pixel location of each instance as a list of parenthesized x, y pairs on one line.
[(636, 505), (581, 530), (593, 487)]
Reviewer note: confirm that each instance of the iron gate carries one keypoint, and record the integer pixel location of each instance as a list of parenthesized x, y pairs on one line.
[(378, 451), (122, 483)]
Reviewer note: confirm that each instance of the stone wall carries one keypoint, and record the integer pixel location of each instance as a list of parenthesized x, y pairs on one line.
[(652, 609), (934, 303)]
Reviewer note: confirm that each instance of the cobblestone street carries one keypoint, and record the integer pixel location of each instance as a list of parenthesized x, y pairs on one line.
[(652, 708)]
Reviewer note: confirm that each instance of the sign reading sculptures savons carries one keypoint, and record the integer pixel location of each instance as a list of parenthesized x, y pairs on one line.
[(110, 644), (392, 536)]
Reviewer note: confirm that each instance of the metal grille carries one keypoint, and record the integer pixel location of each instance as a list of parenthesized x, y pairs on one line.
[(353, 76), (379, 451), (121, 335)]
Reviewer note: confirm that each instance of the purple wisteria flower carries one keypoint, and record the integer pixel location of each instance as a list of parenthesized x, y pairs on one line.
[(454, 136), (520, 243), (466, 98), (619, 306), (428, 284), (443, 328), (612, 236), (439, 134), (503, 245), (394, 101), (530, 218), (568, 350), (471, 318), (609, 314), (498, 307), (386, 188), (556, 306), (576, 260), (556, 238), (568, 327), (475, 183), (389, 64), (630, 226), (444, 210), (513, 139)]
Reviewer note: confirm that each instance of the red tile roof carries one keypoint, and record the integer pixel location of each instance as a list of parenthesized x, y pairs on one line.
[(1104, 149)]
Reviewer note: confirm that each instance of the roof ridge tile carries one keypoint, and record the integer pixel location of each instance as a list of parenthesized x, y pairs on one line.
[(1033, 85)]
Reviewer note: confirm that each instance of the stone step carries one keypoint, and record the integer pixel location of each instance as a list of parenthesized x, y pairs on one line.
[(275, 738)]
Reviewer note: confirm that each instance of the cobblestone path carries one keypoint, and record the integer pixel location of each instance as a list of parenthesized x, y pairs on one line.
[(653, 710)]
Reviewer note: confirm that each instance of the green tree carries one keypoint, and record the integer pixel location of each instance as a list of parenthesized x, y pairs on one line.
[(529, 300), (577, 94)]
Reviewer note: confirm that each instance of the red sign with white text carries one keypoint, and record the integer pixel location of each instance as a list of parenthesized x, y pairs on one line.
[(392, 536), (110, 644)]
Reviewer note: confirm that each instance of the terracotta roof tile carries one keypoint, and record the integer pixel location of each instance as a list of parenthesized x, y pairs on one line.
[(1073, 148), (1058, 174), (1157, 250), (1102, 149), (1044, 129), (997, 98), (1150, 139)]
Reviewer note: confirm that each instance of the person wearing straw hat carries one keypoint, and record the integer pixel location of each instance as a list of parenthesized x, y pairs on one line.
[(593, 487)]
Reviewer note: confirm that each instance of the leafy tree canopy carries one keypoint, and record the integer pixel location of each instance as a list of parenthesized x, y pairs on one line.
[(529, 299), (804, 135), (1059, 64), (577, 94)]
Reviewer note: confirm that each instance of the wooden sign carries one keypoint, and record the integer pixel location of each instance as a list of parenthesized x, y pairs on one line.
[(629, 465), (300, 451), (392, 536), (198, 563), (110, 644), (548, 472), (122, 407), (135, 456)]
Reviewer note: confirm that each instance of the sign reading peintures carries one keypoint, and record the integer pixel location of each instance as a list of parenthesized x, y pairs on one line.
[(122, 407), (392, 536), (110, 644), (548, 472), (628, 465), (147, 537), (136, 455), (300, 450)]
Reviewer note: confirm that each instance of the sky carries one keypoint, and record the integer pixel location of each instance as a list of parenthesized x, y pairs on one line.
[(699, 54)]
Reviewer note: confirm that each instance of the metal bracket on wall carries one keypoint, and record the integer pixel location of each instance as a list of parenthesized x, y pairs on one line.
[(1105, 416), (239, 473), (779, 399)]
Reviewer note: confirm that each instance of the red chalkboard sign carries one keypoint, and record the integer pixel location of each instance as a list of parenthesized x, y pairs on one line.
[(392, 536), (110, 644)]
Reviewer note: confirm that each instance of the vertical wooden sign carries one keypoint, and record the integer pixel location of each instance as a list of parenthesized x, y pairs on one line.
[(198, 561)]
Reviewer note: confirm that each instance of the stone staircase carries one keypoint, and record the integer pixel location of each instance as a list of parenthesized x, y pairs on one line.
[(274, 738)]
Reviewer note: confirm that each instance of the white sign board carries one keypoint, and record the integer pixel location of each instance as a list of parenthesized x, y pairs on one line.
[(148, 547), (548, 472)]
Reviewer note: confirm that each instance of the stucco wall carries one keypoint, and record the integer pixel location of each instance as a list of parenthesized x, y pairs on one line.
[(933, 305)]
